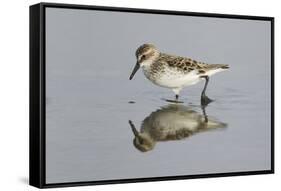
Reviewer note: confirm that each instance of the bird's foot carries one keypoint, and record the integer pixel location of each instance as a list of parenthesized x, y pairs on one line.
[(205, 100), (173, 101)]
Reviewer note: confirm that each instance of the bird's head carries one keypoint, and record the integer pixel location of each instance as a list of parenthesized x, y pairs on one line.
[(145, 55), (142, 141)]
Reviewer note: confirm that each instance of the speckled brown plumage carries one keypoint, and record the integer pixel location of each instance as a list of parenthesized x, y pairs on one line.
[(186, 64)]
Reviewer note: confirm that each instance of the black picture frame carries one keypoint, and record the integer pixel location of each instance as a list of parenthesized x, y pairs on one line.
[(37, 155)]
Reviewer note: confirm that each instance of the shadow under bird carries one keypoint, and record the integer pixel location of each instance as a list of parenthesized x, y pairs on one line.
[(174, 72), (172, 122)]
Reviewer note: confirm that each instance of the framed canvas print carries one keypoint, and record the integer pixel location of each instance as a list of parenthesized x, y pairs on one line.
[(130, 95)]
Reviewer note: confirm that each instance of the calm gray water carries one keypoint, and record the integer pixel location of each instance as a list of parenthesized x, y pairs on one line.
[(89, 57)]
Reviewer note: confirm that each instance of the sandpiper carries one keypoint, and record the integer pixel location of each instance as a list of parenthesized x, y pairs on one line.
[(172, 122), (174, 72)]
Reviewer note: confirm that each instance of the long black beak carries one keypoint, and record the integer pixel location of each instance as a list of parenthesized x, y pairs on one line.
[(136, 133), (137, 66)]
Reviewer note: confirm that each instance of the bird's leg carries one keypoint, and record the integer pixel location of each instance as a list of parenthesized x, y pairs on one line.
[(204, 113), (204, 99), (177, 92), (176, 100)]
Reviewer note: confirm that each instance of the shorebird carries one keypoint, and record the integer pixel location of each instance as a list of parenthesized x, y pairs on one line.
[(174, 72), (172, 122)]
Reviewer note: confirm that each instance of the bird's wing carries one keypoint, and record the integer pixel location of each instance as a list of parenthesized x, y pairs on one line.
[(188, 64)]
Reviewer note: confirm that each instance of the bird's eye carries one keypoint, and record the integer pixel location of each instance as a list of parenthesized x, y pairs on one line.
[(143, 57)]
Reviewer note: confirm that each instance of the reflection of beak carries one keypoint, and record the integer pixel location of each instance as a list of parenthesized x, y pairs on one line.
[(137, 66), (136, 133)]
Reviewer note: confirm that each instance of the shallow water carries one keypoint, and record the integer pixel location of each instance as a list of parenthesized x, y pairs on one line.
[(88, 135)]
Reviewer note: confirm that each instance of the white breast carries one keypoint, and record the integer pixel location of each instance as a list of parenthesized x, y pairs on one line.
[(172, 78), (176, 80)]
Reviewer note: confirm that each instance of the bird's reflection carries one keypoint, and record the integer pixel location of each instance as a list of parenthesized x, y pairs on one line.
[(172, 122)]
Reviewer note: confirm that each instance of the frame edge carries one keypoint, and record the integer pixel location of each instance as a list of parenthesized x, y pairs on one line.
[(272, 20), (35, 140), (155, 11), (36, 131)]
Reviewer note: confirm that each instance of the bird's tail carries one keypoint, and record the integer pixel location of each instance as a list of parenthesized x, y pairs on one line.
[(222, 66), (212, 69)]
